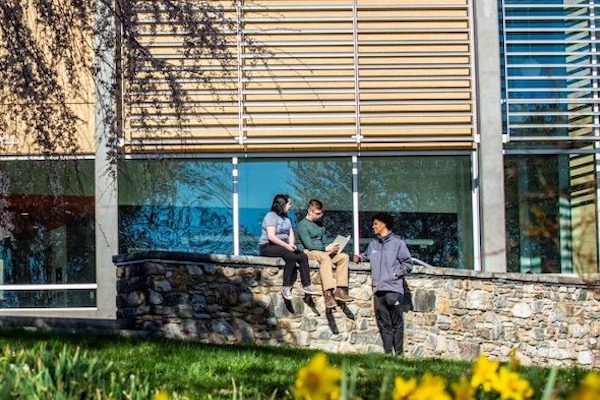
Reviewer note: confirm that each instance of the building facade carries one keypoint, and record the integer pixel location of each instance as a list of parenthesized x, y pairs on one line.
[(475, 123)]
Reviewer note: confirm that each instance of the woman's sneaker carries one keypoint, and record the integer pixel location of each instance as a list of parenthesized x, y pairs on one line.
[(311, 290), (286, 292)]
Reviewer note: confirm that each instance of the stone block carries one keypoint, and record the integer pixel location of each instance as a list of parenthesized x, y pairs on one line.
[(364, 338), (497, 332), (194, 270), (469, 350), (154, 297), (346, 347), (184, 310), (154, 269), (431, 342), (173, 299), (423, 300), (309, 324), (443, 322), (362, 293), (479, 300), (521, 310), (198, 302), (243, 330), (577, 331), (246, 297), (585, 357), (173, 330), (559, 354), (416, 351), (160, 284), (303, 339), (322, 333), (210, 269), (443, 307), (222, 327), (136, 298)]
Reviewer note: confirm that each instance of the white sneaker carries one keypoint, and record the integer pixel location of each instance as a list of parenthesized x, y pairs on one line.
[(286, 292), (311, 290)]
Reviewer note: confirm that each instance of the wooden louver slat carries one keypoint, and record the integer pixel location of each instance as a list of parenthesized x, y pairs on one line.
[(324, 74)]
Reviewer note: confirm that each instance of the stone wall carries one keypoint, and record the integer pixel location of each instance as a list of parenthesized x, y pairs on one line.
[(450, 313)]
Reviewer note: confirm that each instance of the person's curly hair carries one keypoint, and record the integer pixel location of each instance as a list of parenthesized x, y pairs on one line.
[(384, 217)]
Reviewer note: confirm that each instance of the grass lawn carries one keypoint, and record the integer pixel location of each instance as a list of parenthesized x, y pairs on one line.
[(206, 371)]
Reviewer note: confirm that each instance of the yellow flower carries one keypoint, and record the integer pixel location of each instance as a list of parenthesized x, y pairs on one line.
[(590, 388), (318, 380), (402, 388), (161, 395), (463, 390), (511, 386), (514, 361), (484, 373), (430, 388), (592, 381), (585, 394)]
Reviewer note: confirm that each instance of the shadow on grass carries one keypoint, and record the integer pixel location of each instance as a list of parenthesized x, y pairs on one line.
[(196, 368)]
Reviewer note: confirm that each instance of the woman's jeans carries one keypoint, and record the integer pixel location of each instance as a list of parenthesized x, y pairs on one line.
[(290, 258)]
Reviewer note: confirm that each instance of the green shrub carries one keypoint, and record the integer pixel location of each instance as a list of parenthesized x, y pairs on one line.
[(61, 374)]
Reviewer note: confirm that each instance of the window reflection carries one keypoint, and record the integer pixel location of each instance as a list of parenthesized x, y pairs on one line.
[(48, 232), (176, 205), (327, 179), (551, 213), (47, 298), (547, 51), (430, 199)]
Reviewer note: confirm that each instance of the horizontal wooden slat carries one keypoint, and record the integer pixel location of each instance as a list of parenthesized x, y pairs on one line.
[(306, 75)]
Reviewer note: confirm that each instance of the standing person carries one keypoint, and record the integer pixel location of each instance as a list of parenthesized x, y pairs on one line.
[(277, 240), (311, 240), (390, 261)]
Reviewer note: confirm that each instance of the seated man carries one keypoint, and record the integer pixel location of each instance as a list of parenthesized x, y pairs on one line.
[(310, 234)]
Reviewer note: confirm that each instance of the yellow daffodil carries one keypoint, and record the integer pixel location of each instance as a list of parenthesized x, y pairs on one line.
[(514, 361), (402, 388), (463, 390), (592, 381), (318, 380), (585, 394), (430, 388), (590, 388), (161, 395), (511, 386), (484, 373)]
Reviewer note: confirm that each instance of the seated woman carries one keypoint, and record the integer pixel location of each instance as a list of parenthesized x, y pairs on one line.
[(277, 240)]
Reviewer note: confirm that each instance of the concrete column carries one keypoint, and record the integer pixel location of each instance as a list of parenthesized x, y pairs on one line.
[(491, 163), (105, 171)]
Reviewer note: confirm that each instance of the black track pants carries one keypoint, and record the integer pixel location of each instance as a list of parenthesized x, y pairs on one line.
[(388, 312)]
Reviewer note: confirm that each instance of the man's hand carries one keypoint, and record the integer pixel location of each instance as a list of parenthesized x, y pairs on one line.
[(332, 248), (356, 258)]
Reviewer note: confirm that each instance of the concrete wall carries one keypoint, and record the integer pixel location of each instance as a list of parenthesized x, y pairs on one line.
[(552, 320)]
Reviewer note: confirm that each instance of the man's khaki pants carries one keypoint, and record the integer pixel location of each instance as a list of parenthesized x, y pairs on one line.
[(326, 263)]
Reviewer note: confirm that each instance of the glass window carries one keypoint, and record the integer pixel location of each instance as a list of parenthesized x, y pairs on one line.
[(47, 228), (176, 205), (328, 180), (547, 68), (430, 198), (551, 213), (47, 298)]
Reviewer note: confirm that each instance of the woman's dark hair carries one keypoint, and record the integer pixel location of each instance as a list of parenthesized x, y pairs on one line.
[(386, 218), (279, 202)]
